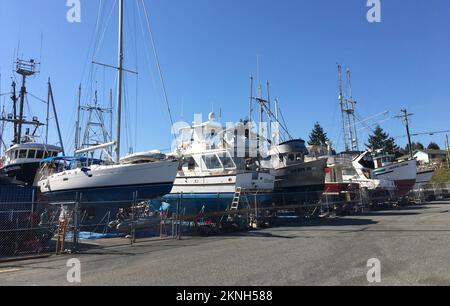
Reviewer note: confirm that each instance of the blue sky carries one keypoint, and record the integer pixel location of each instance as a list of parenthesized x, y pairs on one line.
[(208, 50)]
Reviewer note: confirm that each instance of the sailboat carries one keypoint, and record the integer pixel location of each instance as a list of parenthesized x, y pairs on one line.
[(62, 178)]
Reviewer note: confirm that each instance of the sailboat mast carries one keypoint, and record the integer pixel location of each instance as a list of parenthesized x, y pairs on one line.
[(119, 82), (77, 124)]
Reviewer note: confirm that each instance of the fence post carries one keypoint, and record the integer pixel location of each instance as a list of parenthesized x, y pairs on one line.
[(179, 219), (76, 222), (133, 214), (32, 200)]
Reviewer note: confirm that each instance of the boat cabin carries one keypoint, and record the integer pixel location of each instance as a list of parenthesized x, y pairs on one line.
[(215, 161), (289, 153), (29, 153)]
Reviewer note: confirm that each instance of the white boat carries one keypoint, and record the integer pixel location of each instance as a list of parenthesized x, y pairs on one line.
[(61, 179), (361, 173), (402, 173), (21, 161), (210, 172)]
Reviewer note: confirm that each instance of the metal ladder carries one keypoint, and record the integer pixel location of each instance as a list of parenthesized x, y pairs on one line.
[(236, 199), (61, 235)]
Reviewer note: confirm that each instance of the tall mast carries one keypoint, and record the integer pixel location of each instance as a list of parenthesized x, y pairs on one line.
[(341, 101), (23, 92), (351, 114), (250, 111), (119, 82), (14, 100), (111, 107), (47, 119), (77, 124)]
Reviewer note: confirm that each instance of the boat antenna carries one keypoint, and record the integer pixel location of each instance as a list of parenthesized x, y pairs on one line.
[(40, 51), (251, 101), (341, 102)]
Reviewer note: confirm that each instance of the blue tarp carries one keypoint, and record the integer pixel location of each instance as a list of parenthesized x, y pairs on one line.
[(71, 159)]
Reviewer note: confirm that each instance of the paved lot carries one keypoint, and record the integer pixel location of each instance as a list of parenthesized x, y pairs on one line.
[(413, 245)]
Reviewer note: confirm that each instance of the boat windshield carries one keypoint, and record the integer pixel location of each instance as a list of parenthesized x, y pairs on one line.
[(227, 161), (212, 162)]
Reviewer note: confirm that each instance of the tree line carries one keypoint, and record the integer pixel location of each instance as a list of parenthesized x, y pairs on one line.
[(378, 140)]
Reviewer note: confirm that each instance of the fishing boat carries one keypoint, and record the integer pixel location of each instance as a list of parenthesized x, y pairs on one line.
[(297, 180), (61, 179), (211, 171), (424, 175), (22, 158), (402, 173)]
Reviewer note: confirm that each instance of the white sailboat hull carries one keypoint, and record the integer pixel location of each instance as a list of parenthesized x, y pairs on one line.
[(111, 182)]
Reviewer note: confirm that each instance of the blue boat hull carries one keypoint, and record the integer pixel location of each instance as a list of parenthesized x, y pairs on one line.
[(110, 194), (192, 204)]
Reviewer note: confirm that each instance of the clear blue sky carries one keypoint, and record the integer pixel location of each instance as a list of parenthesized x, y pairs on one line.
[(208, 50)]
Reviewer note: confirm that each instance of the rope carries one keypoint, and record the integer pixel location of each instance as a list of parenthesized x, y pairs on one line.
[(158, 63)]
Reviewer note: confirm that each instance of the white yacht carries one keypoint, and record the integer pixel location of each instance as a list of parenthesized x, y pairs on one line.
[(211, 170)]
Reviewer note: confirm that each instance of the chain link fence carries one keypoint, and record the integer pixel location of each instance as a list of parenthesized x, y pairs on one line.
[(430, 192), (35, 229)]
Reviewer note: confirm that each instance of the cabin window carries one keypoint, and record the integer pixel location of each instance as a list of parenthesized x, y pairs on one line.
[(300, 157), (55, 154), (16, 154), (291, 157), (39, 154), (227, 161), (23, 154), (212, 162), (31, 153)]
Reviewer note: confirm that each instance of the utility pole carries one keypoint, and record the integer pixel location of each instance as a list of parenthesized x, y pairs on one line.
[(447, 148), (405, 116)]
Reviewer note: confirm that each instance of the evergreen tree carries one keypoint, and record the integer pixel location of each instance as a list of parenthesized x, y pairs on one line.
[(433, 146), (318, 137), (415, 147), (381, 140)]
